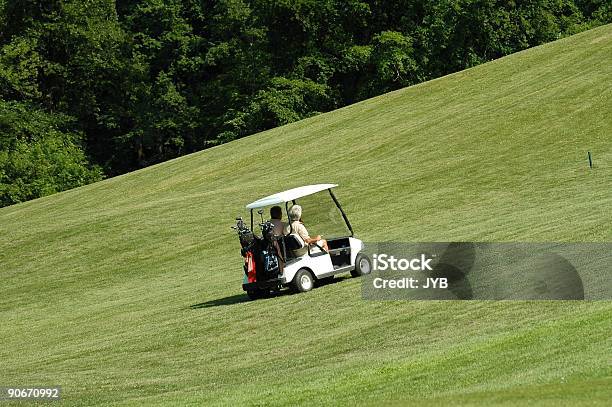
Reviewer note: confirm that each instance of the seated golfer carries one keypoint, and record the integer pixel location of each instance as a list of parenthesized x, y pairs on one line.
[(276, 214), (297, 227)]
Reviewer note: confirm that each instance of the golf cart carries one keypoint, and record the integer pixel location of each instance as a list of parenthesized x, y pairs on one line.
[(274, 261)]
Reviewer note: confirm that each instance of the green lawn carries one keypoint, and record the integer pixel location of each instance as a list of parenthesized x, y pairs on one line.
[(128, 291)]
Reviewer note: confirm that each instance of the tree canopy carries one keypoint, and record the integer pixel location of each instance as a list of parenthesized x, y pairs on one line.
[(93, 88)]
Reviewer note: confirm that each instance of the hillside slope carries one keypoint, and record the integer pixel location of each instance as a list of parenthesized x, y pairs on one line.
[(128, 291)]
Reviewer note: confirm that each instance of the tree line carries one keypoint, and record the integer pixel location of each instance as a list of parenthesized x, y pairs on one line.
[(95, 88)]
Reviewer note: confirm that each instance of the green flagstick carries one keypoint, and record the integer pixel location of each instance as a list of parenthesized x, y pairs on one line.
[(590, 160)]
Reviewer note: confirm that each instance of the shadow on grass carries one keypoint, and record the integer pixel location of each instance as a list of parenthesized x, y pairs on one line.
[(239, 298), (234, 299)]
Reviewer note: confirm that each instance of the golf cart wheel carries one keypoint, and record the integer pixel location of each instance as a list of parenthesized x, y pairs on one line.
[(256, 294), (362, 265), (303, 281)]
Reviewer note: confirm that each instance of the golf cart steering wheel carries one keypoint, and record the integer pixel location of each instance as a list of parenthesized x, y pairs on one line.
[(320, 248)]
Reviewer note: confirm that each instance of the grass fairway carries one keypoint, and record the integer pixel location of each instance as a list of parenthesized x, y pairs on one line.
[(127, 292)]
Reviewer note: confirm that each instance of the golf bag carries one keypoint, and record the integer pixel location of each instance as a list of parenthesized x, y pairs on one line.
[(263, 257)]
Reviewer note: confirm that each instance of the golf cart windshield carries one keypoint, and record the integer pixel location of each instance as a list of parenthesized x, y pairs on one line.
[(321, 210), (321, 216)]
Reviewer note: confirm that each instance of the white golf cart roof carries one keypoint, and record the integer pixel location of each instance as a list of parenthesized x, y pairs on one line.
[(289, 195)]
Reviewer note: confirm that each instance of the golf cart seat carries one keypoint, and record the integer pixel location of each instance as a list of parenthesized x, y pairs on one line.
[(295, 245)]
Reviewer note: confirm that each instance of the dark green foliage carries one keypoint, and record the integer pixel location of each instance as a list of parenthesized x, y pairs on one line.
[(149, 80), (39, 154)]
